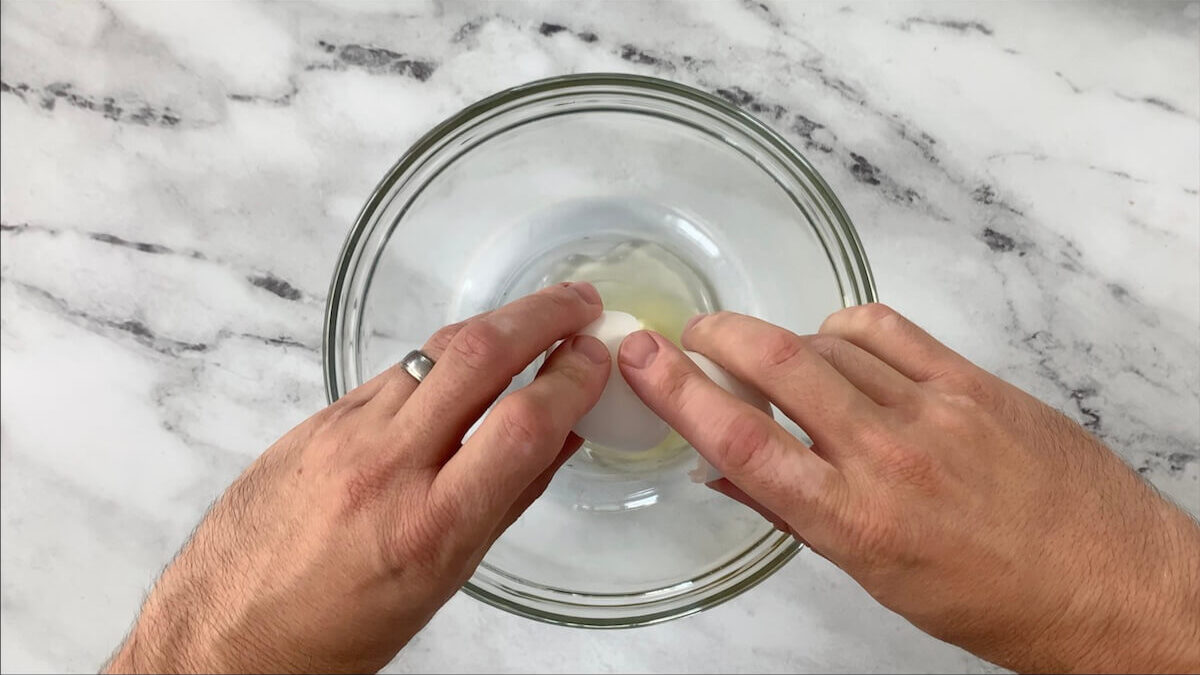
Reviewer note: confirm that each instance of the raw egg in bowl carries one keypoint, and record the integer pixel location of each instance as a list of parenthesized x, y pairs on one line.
[(672, 202)]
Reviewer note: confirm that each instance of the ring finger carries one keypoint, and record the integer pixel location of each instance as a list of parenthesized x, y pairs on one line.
[(391, 388)]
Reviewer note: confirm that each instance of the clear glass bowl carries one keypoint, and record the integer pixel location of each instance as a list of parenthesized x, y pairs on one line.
[(520, 190)]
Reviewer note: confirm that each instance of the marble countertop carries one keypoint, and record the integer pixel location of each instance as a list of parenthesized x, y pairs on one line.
[(178, 179)]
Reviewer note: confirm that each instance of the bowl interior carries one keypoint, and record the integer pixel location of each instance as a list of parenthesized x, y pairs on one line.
[(654, 192)]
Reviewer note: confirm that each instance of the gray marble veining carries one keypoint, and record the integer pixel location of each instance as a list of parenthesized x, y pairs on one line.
[(178, 178)]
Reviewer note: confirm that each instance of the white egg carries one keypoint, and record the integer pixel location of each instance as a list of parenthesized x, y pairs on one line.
[(619, 420), (730, 383)]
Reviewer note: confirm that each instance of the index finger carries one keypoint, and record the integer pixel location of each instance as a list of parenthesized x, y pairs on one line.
[(753, 452), (482, 359)]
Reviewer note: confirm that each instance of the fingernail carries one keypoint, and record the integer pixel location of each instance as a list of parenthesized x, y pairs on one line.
[(590, 347), (638, 349), (693, 321), (586, 291)]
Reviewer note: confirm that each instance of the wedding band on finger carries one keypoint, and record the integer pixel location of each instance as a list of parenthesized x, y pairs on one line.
[(417, 364)]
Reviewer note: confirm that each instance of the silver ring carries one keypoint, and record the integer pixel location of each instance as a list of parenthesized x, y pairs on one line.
[(418, 364)]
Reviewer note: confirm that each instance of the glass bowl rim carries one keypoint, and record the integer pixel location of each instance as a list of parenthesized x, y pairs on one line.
[(847, 241)]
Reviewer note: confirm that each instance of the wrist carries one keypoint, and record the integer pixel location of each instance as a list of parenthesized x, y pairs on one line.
[(153, 646), (1174, 645), (183, 632), (173, 633), (139, 655), (1144, 619)]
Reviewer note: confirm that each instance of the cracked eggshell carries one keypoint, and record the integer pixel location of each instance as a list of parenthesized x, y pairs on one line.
[(619, 420)]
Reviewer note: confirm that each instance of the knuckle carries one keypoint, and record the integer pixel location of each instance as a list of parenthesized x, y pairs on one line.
[(780, 348), (675, 386), (954, 415), (859, 318), (872, 438), (326, 420), (332, 443), (719, 317), (440, 341), (714, 325), (831, 347), (917, 469), (877, 542), (913, 468), (363, 487), (441, 516), (897, 459), (579, 376), (872, 313), (417, 536), (971, 387), (478, 344), (523, 421), (744, 444), (577, 370), (908, 412)]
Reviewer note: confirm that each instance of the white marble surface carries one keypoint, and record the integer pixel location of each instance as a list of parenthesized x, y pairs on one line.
[(177, 180)]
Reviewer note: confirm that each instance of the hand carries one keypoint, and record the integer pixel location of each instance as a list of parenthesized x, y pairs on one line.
[(341, 541), (983, 516)]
